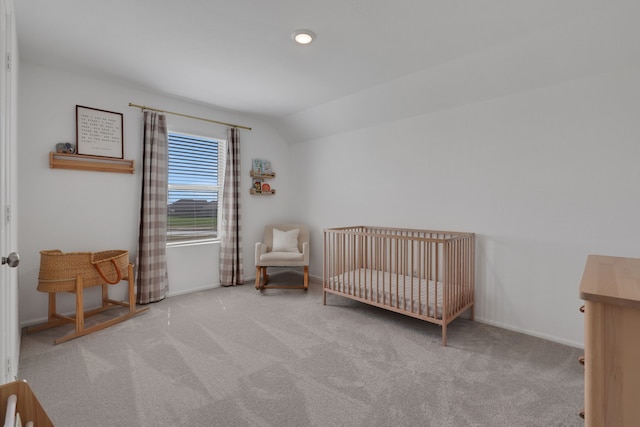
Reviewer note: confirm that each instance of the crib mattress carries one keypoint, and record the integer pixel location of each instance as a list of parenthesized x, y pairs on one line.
[(407, 293)]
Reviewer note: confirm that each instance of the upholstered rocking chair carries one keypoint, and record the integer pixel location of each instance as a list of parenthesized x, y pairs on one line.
[(284, 245)]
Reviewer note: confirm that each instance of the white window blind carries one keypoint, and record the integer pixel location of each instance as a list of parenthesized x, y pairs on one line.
[(196, 166)]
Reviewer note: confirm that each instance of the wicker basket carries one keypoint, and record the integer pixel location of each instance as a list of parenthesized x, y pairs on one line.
[(59, 270)]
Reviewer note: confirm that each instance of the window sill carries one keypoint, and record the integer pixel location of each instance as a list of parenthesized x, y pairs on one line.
[(196, 243)]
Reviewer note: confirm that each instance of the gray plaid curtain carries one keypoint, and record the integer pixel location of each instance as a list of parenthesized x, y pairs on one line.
[(231, 272), (152, 282)]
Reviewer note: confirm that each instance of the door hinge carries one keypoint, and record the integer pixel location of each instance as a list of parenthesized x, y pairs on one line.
[(8, 214), (8, 366), (9, 61)]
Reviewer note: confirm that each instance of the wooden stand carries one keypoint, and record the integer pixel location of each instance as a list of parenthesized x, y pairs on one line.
[(27, 406), (55, 319)]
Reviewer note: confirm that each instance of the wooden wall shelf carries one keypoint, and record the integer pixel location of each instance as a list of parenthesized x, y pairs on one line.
[(262, 193), (254, 174), (90, 163), (262, 176)]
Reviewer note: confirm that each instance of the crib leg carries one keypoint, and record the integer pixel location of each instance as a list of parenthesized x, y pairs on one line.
[(444, 335)]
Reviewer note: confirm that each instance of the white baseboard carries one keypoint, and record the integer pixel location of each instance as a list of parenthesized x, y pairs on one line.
[(531, 333), (192, 290)]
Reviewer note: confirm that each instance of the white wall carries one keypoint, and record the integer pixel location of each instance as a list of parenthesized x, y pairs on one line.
[(90, 211), (544, 178)]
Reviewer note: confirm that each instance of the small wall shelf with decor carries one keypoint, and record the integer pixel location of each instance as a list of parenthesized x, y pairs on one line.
[(261, 171), (91, 163)]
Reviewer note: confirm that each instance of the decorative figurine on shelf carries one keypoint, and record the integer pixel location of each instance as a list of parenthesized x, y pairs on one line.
[(266, 167), (257, 185), (65, 147), (257, 166)]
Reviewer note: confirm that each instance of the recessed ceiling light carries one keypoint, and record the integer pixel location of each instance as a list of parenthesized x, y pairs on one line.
[(303, 36)]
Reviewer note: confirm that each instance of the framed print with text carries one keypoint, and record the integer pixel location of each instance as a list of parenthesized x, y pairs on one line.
[(99, 132)]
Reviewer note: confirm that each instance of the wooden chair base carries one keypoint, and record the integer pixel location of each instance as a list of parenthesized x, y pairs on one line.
[(262, 280), (55, 319)]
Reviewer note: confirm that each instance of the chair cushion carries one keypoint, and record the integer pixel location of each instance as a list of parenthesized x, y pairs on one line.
[(285, 241), (281, 258)]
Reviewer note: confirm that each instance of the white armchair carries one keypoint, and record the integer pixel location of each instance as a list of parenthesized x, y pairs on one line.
[(283, 245)]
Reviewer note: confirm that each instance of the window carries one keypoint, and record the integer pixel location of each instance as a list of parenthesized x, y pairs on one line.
[(196, 167)]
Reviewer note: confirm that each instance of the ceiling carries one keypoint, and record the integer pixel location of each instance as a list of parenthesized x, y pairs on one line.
[(238, 54)]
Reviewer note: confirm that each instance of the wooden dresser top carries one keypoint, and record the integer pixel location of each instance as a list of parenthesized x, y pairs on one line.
[(611, 280)]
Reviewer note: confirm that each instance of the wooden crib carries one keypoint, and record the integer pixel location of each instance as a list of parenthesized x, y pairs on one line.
[(429, 275)]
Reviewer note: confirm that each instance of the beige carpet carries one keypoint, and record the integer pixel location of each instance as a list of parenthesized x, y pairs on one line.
[(239, 357)]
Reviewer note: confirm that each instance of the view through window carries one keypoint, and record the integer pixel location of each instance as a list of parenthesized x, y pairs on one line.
[(195, 186)]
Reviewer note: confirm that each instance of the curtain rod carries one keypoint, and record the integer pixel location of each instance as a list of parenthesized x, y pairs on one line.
[(144, 107)]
